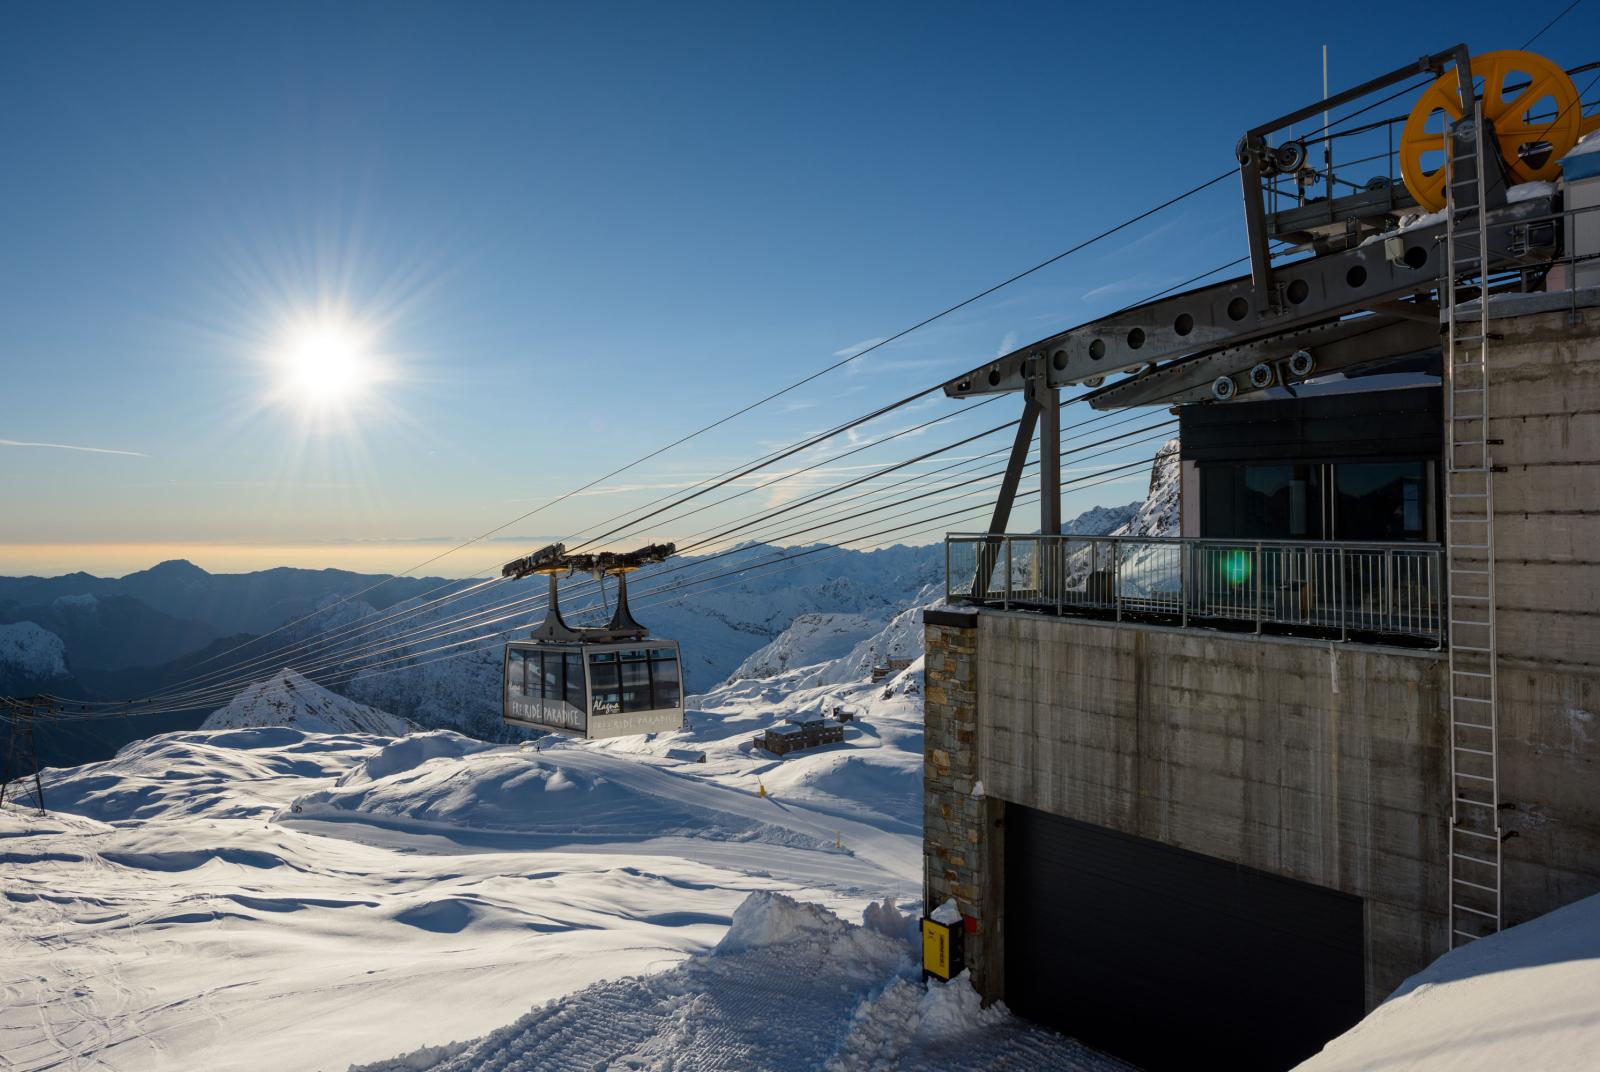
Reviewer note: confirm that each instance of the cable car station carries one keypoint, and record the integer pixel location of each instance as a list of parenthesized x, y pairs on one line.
[(1224, 789)]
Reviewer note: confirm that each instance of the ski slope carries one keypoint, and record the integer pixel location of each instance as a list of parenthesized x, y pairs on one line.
[(270, 897), (789, 987)]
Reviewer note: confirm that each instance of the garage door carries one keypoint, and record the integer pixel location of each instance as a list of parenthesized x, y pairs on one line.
[(1170, 959)]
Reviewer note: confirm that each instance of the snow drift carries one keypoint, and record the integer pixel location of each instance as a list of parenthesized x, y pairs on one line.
[(444, 782), (1524, 998)]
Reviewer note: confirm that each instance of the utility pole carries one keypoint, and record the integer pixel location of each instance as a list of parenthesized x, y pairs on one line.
[(22, 751)]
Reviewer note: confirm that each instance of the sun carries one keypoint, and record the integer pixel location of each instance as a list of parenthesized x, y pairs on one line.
[(327, 364)]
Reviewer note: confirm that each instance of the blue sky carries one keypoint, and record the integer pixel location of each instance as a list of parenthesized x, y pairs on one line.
[(575, 232)]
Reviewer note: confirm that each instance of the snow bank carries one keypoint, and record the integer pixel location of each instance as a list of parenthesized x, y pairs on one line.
[(32, 651), (768, 919), (889, 921), (1524, 998), (287, 699)]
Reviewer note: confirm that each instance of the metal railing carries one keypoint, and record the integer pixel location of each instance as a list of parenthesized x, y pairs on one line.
[(1372, 590)]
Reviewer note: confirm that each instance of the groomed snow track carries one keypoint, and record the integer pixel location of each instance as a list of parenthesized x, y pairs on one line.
[(842, 999)]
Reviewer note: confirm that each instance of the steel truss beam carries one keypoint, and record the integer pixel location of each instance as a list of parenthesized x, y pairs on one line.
[(1233, 313)]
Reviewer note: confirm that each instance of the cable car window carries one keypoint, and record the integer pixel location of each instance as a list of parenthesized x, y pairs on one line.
[(530, 688), (573, 662), (668, 691), (514, 683), (604, 695), (551, 676), (635, 684)]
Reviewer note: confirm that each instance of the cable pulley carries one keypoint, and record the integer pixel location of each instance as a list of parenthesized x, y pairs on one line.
[(1529, 101)]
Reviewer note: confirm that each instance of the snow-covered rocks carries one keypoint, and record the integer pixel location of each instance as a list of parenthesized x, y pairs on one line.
[(1158, 514), (30, 651), (287, 699), (809, 639)]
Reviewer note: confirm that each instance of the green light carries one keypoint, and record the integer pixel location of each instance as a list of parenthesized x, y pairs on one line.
[(1236, 567)]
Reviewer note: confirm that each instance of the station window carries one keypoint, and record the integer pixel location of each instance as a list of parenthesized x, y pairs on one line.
[(1386, 501), (1382, 500), (1275, 502)]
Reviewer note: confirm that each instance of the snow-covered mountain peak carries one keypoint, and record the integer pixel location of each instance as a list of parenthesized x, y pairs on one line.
[(287, 699), (1158, 514), (31, 651), (810, 639), (1099, 520)]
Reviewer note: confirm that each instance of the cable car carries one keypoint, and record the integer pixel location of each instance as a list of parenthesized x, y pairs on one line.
[(592, 682)]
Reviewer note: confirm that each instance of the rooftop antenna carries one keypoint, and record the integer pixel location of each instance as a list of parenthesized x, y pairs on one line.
[(1327, 137)]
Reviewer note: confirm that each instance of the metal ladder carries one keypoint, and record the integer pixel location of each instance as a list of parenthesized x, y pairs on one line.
[(1475, 834)]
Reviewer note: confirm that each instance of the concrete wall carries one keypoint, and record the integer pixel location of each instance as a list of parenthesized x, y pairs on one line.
[(1316, 761), (1544, 402)]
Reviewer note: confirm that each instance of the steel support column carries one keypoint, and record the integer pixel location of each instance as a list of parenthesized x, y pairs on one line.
[(1048, 401), (1014, 465), (988, 554)]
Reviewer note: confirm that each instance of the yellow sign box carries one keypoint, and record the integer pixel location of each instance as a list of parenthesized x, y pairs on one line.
[(941, 952)]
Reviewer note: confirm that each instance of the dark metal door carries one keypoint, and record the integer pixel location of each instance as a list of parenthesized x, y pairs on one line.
[(1170, 959)]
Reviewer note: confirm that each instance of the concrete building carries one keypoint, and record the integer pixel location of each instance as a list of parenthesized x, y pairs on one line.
[(1219, 792), (1086, 776)]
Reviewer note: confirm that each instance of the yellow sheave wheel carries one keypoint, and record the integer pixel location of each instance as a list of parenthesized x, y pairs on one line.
[(1560, 124)]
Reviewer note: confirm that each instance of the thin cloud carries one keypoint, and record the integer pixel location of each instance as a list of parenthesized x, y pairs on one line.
[(69, 446), (1119, 287), (856, 347)]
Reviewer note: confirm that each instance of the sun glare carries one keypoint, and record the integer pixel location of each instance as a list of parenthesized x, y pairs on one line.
[(326, 364)]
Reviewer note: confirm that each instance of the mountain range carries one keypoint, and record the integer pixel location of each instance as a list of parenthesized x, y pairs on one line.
[(436, 663)]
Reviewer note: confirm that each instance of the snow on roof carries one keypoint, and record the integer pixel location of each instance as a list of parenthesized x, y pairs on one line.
[(1586, 145)]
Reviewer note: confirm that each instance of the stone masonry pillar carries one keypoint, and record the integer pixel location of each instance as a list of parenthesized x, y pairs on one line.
[(960, 831)]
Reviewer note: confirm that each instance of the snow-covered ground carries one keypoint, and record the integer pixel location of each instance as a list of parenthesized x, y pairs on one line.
[(1526, 998), (789, 987), (275, 898)]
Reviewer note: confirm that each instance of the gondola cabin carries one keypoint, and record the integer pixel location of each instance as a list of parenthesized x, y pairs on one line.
[(605, 681), (594, 689)]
